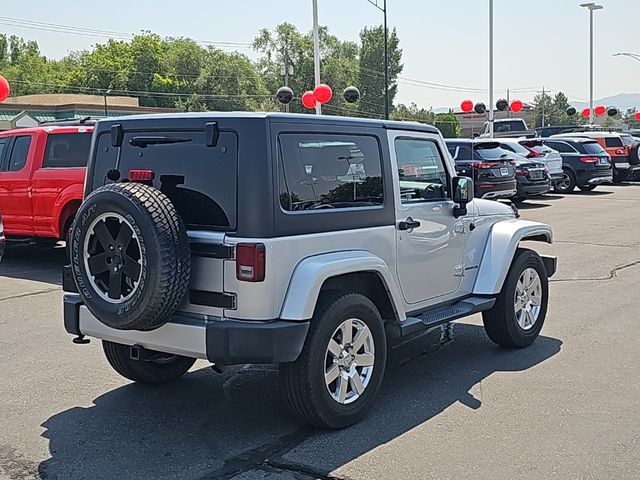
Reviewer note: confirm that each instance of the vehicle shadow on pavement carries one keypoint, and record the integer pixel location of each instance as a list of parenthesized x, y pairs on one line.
[(531, 205), (29, 262), (208, 425)]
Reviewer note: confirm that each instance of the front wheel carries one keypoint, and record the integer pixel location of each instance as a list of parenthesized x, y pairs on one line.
[(334, 381), (153, 368), (521, 306)]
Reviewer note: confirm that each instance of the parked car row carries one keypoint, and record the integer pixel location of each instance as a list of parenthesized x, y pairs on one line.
[(520, 168)]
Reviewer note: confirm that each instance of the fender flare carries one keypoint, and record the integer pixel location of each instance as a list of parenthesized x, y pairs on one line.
[(500, 249), (71, 193), (311, 273)]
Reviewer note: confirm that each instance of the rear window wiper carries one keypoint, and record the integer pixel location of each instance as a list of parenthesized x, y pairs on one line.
[(144, 142)]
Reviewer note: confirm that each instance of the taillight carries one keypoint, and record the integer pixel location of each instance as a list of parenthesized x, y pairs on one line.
[(588, 159), (250, 262), (141, 175), (521, 172), (620, 151), (533, 153), (483, 164)]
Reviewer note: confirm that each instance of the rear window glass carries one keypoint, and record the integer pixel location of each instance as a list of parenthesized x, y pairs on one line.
[(516, 148), (510, 126), (492, 154), (613, 141), (67, 150), (628, 140), (560, 147), (320, 171), (592, 147), (201, 181)]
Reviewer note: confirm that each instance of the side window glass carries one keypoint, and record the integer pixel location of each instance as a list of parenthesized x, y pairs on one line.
[(324, 171), (19, 153), (421, 170)]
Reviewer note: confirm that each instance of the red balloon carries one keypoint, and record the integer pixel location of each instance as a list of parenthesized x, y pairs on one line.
[(323, 93), (637, 116), (586, 112), (5, 90), (466, 106), (600, 110), (308, 100), (516, 106)]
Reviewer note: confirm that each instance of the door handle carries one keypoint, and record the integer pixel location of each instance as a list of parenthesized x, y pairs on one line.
[(408, 224)]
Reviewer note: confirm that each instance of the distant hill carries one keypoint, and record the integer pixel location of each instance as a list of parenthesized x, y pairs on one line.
[(622, 101)]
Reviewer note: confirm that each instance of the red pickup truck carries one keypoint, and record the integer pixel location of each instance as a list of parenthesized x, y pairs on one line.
[(42, 172)]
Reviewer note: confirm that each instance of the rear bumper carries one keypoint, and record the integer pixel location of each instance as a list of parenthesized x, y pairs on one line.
[(532, 188), (219, 340)]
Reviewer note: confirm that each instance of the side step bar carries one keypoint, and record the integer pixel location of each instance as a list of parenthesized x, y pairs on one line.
[(440, 315)]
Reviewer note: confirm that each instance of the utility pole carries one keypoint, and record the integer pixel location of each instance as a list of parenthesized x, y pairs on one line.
[(287, 71), (386, 62), (543, 100)]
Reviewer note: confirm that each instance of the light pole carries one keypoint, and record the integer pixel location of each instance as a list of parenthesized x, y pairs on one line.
[(490, 69), (592, 7), (383, 9), (316, 52), (105, 93)]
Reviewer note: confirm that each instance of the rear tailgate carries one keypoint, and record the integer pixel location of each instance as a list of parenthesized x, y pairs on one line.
[(201, 182)]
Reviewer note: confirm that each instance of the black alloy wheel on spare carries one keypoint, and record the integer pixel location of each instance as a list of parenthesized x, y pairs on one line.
[(130, 256)]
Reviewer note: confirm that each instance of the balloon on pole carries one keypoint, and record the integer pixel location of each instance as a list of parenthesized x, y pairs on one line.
[(517, 106), (600, 110), (5, 89), (586, 113), (323, 93), (466, 106), (308, 100), (637, 116), (351, 94)]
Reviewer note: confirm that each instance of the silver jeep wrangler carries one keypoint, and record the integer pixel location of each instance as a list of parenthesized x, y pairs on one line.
[(292, 239)]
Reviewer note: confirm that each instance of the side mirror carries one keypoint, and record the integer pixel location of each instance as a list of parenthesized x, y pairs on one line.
[(462, 194), (475, 134)]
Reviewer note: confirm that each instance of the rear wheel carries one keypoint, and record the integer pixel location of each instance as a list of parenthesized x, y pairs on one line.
[(154, 368), (521, 306), (587, 188), (567, 183), (334, 381)]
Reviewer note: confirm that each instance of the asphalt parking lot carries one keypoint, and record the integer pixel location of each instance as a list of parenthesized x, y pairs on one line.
[(452, 405)]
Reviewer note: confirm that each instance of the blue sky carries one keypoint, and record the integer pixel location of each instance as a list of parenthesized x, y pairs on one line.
[(537, 42)]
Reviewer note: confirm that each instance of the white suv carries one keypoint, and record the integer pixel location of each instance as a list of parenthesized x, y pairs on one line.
[(291, 239)]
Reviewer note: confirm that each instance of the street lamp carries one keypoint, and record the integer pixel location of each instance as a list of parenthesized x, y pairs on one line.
[(635, 56), (592, 7), (316, 52), (490, 118), (383, 9)]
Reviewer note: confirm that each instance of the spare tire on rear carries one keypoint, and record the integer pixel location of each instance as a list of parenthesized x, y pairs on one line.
[(130, 256)]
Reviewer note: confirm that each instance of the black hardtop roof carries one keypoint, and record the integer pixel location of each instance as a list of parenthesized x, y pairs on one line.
[(276, 118)]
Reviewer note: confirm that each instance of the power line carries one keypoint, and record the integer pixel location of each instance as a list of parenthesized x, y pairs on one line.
[(91, 32)]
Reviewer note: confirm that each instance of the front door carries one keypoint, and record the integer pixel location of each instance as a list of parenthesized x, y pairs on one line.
[(15, 193), (429, 240)]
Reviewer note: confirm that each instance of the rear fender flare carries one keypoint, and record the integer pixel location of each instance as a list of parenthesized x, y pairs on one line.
[(500, 249), (311, 273)]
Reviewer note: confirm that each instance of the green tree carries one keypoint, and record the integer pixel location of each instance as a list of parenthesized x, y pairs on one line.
[(448, 125), (372, 87), (412, 113), (629, 118), (285, 45)]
